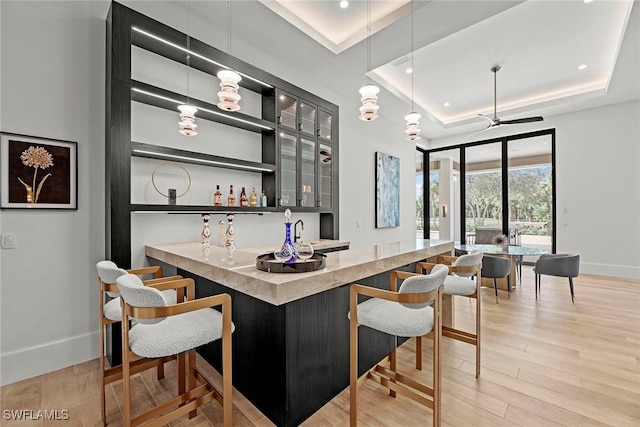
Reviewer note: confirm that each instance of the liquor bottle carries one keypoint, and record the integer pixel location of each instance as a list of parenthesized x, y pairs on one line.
[(217, 197), (263, 200), (244, 202), (231, 200), (253, 198)]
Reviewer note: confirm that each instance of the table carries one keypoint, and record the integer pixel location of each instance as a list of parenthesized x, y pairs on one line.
[(510, 251), (291, 338)]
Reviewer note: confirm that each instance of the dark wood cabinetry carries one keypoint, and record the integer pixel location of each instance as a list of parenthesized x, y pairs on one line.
[(307, 118)]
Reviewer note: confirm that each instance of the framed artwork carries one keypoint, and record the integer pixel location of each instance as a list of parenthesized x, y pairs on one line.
[(387, 191), (37, 173)]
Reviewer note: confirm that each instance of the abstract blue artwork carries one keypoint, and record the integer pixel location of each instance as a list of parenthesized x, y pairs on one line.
[(387, 191)]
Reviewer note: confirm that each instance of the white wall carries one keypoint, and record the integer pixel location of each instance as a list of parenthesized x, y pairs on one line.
[(53, 86), (598, 185)]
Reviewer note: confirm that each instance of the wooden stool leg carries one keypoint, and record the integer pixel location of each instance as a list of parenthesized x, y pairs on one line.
[(103, 398), (161, 371), (419, 353), (478, 311), (126, 374), (181, 372), (495, 286), (192, 377)]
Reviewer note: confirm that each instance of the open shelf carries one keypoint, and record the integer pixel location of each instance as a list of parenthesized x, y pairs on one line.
[(201, 209), (151, 151), (162, 98)]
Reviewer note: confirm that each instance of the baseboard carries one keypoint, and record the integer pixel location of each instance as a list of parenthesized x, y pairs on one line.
[(610, 270), (37, 360)]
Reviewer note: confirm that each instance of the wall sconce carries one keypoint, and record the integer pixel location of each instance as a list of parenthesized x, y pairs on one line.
[(444, 211)]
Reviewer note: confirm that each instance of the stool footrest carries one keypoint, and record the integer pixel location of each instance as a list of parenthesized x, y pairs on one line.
[(457, 334), (184, 403), (402, 385)]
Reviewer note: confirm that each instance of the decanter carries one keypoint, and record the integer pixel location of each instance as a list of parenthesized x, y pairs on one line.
[(288, 247)]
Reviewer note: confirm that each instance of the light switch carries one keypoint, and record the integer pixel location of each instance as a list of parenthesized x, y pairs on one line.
[(8, 241), (359, 224)]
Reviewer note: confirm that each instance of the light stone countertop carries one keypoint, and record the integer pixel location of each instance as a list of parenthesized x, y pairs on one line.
[(280, 288)]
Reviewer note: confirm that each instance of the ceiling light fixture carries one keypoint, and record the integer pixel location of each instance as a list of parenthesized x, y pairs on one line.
[(413, 119), (229, 79), (369, 92), (409, 70), (187, 124), (446, 104), (582, 67), (344, 4)]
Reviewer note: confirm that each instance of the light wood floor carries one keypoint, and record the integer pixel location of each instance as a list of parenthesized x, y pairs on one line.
[(545, 362)]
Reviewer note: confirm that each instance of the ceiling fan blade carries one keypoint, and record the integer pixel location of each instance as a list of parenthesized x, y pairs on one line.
[(491, 126), (490, 119), (523, 120)]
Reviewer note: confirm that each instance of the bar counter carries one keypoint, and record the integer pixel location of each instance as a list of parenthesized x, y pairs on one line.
[(280, 288), (291, 338)]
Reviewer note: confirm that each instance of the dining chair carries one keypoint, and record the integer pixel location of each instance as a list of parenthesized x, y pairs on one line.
[(110, 313), (560, 265), (463, 280), (412, 311), (496, 268), (163, 329)]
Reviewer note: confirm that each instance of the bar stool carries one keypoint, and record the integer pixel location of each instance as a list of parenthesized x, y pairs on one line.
[(163, 330), (110, 313), (465, 269), (413, 311)]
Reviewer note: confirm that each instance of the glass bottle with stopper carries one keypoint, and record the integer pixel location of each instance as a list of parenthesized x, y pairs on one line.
[(287, 252), (205, 234)]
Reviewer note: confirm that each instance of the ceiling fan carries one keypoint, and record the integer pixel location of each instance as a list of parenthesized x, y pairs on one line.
[(495, 120)]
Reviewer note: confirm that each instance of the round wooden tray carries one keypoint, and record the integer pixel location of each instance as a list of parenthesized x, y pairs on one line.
[(267, 262)]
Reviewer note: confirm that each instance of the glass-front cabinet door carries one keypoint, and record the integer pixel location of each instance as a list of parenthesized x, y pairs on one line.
[(288, 111), (325, 169), (307, 122), (325, 125), (288, 143), (308, 173)]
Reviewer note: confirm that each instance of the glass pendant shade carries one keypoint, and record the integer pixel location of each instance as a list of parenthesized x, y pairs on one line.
[(187, 124), (228, 95), (413, 126), (369, 98)]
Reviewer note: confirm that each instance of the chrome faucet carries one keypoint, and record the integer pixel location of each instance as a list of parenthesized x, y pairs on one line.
[(297, 235)]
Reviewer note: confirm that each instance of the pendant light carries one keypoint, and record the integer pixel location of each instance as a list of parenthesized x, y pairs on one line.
[(413, 119), (369, 92), (187, 124), (229, 79)]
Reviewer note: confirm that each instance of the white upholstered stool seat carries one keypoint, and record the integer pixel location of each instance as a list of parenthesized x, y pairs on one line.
[(113, 312), (178, 333), (454, 285), (394, 319), (412, 311)]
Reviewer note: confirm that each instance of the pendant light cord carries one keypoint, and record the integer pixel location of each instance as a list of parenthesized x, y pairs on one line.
[(413, 71), (368, 42), (229, 27), (188, 49)]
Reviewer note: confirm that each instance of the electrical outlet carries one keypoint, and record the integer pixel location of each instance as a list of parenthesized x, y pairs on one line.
[(8, 241)]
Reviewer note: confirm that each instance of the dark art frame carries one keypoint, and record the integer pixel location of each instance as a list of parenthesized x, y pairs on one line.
[(56, 185), (387, 191)]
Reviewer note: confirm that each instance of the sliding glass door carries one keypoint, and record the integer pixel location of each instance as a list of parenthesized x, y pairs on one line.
[(530, 188), (483, 192), (508, 190)]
